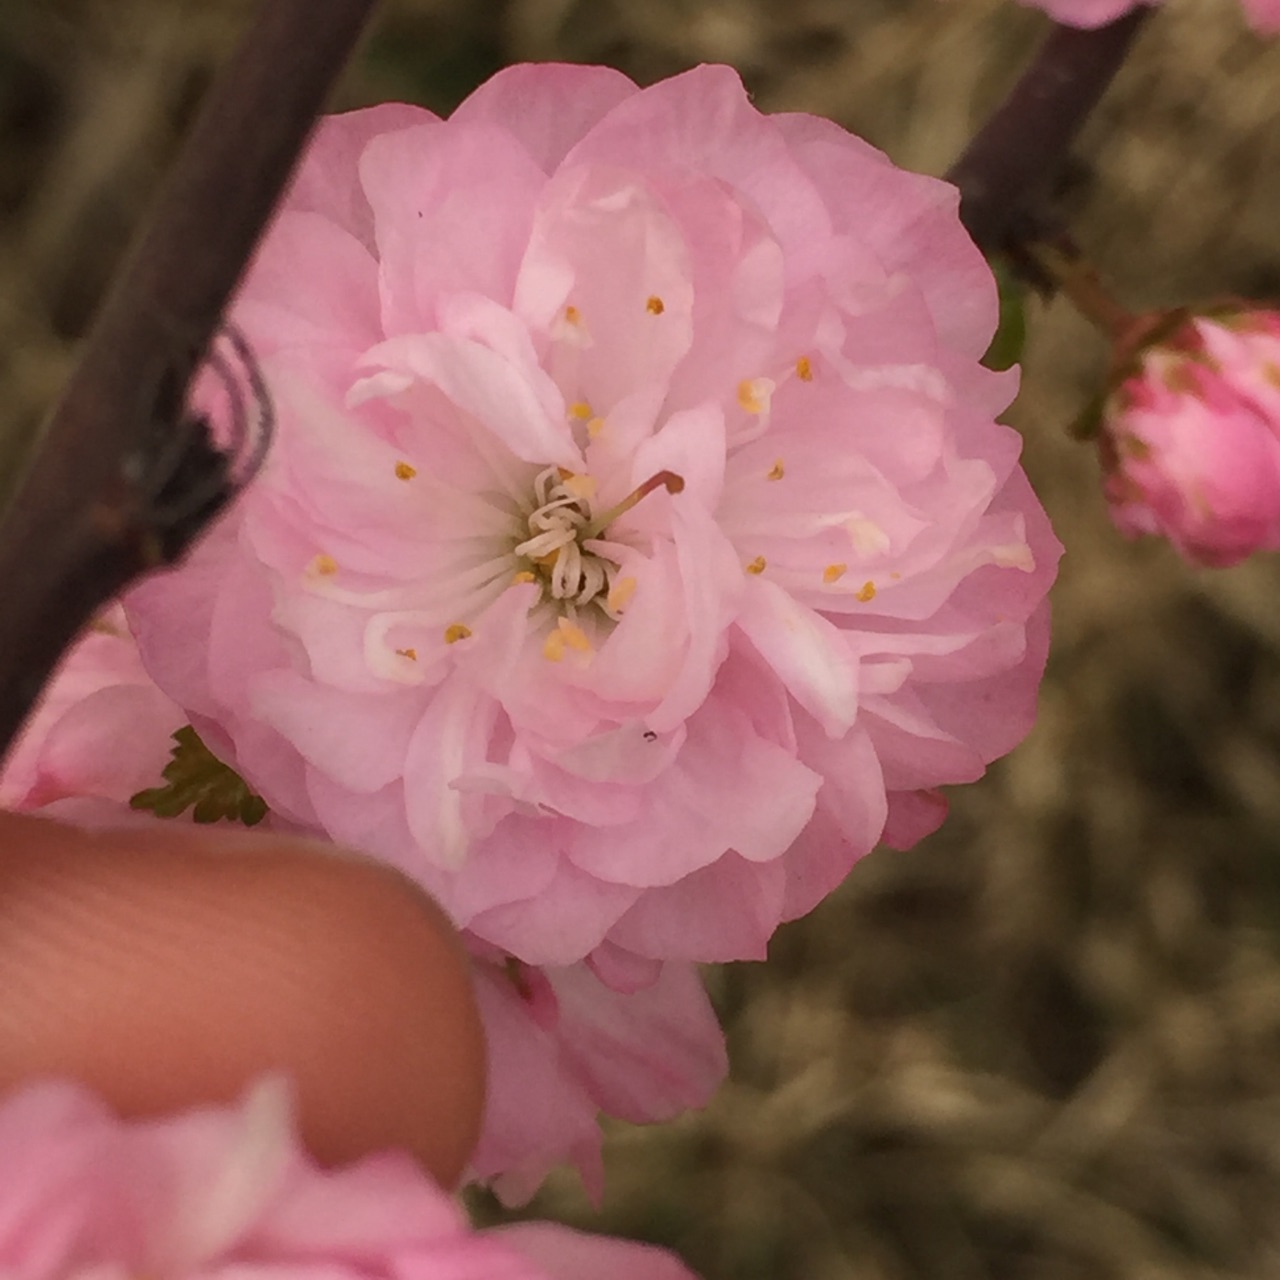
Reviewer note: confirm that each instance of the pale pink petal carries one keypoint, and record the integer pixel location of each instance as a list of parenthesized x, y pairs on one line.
[(570, 1255), (517, 405), (328, 180), (452, 209), (646, 1057), (284, 303), (547, 107)]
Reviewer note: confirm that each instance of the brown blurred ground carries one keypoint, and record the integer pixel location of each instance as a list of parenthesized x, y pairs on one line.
[(1045, 1043)]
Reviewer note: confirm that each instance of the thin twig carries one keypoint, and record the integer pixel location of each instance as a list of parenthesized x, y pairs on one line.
[(76, 530), (1008, 170)]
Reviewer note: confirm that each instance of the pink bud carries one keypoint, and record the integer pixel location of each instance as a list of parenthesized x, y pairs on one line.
[(1191, 440)]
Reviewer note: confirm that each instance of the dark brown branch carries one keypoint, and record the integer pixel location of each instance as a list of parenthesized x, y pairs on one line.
[(76, 530), (1009, 169)]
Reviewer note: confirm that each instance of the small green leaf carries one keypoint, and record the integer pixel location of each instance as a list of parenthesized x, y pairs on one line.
[(196, 779), (1011, 333)]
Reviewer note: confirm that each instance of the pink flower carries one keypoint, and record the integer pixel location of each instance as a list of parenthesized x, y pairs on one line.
[(1087, 13), (638, 545), (100, 732), (1191, 440), (1262, 15), (565, 1045), (227, 1191)]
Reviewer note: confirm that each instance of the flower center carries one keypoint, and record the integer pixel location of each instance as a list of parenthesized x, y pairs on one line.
[(562, 526)]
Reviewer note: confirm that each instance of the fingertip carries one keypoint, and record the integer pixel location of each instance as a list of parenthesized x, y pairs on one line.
[(169, 966)]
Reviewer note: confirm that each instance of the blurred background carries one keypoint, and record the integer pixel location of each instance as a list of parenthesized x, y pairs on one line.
[(1046, 1042)]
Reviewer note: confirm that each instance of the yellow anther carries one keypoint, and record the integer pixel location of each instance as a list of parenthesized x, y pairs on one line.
[(758, 565), (566, 635), (1271, 373), (572, 315), (411, 654), (776, 472), (620, 594), (553, 647), (324, 565), (574, 636), (867, 592), (833, 573), (655, 306), (456, 631), (754, 394), (580, 486), (595, 427), (804, 370), (405, 472), (580, 409), (523, 576)]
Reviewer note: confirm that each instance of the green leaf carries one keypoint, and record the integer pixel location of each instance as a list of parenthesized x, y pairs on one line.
[(196, 779), (1011, 333)]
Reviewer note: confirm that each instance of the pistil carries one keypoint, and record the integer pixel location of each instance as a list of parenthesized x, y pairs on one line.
[(668, 480)]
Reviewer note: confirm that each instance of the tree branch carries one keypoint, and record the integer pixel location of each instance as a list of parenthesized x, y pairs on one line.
[(1007, 172), (82, 523)]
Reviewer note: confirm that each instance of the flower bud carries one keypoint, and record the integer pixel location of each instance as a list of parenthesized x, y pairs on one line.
[(1190, 439)]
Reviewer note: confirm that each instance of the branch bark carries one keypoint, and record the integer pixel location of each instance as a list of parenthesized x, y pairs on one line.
[(1007, 172), (75, 531)]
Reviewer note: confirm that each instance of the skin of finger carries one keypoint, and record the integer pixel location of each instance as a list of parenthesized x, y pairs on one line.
[(169, 967)]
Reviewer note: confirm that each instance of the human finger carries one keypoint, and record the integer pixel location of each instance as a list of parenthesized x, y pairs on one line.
[(172, 965)]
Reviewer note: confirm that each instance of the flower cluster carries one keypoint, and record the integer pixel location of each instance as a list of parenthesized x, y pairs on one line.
[(229, 1192), (1191, 439), (1262, 15)]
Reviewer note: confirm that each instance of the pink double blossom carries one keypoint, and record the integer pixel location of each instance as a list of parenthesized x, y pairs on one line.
[(1262, 15), (99, 734), (228, 1191), (1191, 439), (639, 546)]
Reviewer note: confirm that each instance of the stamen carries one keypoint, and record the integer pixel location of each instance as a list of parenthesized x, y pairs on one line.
[(456, 631), (411, 654), (664, 479), (804, 370), (566, 635), (523, 576), (324, 565), (776, 472), (595, 427), (867, 593), (569, 328), (620, 594), (574, 636), (758, 565), (655, 306), (754, 394), (580, 409), (553, 647), (580, 486), (833, 573), (404, 471)]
